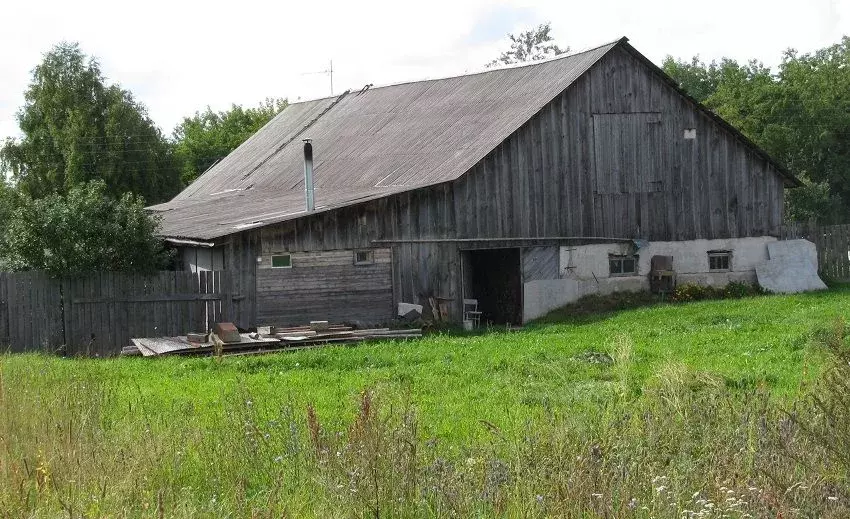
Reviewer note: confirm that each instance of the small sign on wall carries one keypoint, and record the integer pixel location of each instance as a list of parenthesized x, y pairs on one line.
[(690, 133)]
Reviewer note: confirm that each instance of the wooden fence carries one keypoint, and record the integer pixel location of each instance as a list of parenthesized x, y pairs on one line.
[(30, 312), (98, 314), (832, 242)]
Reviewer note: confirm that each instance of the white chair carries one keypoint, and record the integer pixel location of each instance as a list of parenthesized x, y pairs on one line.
[(471, 313)]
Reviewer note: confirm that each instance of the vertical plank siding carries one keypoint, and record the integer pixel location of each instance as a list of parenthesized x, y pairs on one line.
[(30, 312), (622, 168), (97, 315), (103, 311), (832, 243)]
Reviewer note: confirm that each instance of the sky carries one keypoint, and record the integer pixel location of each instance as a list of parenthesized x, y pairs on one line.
[(178, 57)]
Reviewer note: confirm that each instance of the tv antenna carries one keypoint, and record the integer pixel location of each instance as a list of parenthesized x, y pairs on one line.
[(328, 71)]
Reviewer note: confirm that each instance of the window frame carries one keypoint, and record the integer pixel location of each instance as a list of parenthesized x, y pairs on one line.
[(281, 255), (621, 259), (370, 257), (720, 255)]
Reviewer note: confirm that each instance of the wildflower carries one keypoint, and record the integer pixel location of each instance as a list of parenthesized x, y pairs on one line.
[(539, 498), (661, 489), (278, 459), (632, 503), (596, 495), (832, 498)]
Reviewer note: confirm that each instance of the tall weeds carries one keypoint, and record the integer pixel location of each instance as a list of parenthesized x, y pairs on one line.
[(681, 445)]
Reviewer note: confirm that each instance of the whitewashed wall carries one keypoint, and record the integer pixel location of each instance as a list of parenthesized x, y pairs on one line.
[(584, 269)]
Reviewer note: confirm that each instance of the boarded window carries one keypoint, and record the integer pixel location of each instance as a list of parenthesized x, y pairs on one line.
[(622, 265), (364, 257), (627, 151), (719, 260), (282, 261)]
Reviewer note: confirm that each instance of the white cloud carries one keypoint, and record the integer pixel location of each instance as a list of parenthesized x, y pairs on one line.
[(178, 57)]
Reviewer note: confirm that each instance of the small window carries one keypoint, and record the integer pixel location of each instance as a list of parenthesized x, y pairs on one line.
[(719, 260), (364, 257), (622, 265), (282, 261)]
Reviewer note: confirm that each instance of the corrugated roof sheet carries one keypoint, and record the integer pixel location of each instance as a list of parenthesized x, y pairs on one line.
[(368, 145)]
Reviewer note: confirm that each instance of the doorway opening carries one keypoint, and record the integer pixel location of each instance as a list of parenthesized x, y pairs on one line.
[(493, 277)]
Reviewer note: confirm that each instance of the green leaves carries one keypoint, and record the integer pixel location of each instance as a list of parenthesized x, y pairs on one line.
[(532, 45), (83, 231), (207, 137), (77, 128)]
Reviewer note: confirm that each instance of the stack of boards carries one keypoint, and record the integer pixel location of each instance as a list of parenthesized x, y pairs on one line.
[(268, 339)]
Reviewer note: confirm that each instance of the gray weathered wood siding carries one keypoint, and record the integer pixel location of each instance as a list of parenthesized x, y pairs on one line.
[(606, 158), (541, 263), (419, 270), (325, 285), (240, 258)]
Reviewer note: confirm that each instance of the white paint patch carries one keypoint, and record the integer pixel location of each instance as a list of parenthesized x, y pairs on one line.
[(690, 133), (543, 296)]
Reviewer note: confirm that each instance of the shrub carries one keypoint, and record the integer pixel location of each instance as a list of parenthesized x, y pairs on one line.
[(735, 289), (83, 231)]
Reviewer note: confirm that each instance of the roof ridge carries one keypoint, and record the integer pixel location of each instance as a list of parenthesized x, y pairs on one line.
[(622, 39)]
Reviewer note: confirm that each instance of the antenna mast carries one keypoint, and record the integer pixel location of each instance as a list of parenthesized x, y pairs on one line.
[(330, 73)]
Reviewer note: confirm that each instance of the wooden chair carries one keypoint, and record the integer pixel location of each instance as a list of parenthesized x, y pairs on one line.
[(662, 277), (471, 313)]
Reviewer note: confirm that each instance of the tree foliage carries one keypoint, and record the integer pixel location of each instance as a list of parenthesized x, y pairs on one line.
[(532, 45), (8, 202), (82, 231), (76, 128), (206, 137), (799, 114)]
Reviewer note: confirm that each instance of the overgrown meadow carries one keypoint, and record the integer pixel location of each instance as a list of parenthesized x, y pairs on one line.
[(733, 408)]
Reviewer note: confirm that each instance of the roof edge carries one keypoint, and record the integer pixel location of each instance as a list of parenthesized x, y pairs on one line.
[(612, 43)]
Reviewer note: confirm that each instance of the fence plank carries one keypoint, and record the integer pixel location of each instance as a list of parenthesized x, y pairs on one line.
[(832, 243), (97, 314), (4, 314)]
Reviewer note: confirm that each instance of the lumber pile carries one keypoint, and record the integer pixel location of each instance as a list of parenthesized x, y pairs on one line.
[(226, 340)]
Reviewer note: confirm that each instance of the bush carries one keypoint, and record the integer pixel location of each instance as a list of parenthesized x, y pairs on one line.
[(81, 232), (734, 290)]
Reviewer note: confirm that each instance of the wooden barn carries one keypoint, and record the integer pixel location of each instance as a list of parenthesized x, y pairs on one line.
[(523, 188)]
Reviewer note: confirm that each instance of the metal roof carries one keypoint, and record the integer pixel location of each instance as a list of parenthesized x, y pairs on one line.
[(367, 145), (377, 142)]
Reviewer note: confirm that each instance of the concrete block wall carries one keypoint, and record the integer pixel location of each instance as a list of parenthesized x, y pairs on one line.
[(584, 269)]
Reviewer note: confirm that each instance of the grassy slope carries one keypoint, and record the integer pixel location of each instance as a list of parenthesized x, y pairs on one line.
[(457, 381)]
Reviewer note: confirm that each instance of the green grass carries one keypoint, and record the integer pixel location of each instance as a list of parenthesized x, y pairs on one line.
[(501, 377), (462, 388)]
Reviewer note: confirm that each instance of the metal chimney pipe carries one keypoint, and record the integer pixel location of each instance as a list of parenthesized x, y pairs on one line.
[(308, 175)]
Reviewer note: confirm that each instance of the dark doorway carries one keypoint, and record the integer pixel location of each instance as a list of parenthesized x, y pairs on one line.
[(496, 283)]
